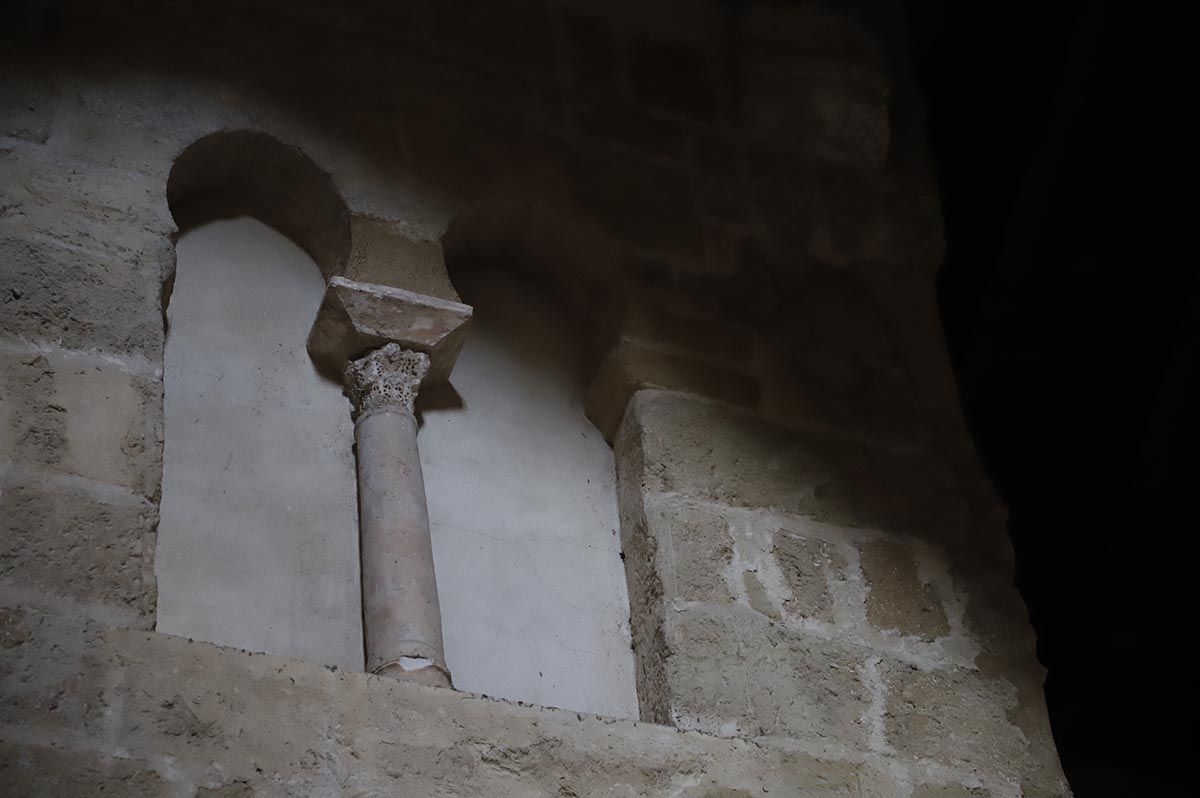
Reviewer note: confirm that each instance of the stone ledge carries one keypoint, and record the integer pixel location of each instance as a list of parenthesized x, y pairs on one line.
[(197, 716)]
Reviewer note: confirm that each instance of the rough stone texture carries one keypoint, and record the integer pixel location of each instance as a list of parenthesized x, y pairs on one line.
[(751, 463), (382, 254), (607, 142), (754, 615), (60, 295), (80, 416), (77, 539), (899, 599), (950, 791), (962, 718), (808, 564), (694, 547), (790, 685), (49, 671), (355, 318), (44, 770), (192, 717)]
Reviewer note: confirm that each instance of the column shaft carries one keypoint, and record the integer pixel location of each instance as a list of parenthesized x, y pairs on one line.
[(402, 619)]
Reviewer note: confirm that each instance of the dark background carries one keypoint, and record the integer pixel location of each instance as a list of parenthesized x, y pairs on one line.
[(1069, 303)]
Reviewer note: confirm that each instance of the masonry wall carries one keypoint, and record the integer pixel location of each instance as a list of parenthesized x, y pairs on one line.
[(744, 230)]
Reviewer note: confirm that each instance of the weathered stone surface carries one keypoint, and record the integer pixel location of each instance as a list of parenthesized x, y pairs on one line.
[(808, 564), (996, 616), (417, 133), (714, 452), (629, 368), (61, 295), (49, 668), (196, 718), (69, 191), (802, 686), (384, 255), (950, 791), (961, 718), (90, 543), (81, 416), (39, 771), (693, 549), (355, 318), (899, 599)]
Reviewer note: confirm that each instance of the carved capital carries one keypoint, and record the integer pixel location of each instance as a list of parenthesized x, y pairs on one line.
[(386, 378)]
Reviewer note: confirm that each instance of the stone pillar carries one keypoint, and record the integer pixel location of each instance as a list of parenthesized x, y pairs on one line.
[(402, 619)]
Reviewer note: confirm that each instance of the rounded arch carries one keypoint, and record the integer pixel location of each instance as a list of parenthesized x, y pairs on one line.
[(249, 173)]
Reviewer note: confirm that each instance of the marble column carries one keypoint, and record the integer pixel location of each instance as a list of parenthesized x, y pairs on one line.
[(402, 619)]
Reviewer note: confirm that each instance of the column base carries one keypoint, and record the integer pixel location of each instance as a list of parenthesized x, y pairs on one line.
[(416, 669)]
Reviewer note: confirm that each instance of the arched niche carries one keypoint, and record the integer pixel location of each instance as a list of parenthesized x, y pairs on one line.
[(520, 483), (258, 533), (249, 173)]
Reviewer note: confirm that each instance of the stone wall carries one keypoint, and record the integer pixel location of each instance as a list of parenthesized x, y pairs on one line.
[(745, 231), (807, 590)]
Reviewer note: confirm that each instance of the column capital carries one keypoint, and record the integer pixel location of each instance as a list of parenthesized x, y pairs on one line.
[(388, 377)]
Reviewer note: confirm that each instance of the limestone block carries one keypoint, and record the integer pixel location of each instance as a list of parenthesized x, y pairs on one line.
[(996, 616), (693, 549), (61, 295), (950, 791), (39, 200), (49, 669), (714, 452), (355, 318), (898, 598), (115, 196), (629, 368), (68, 539), (808, 564), (41, 771), (81, 416), (701, 553), (732, 672), (381, 253), (963, 719)]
